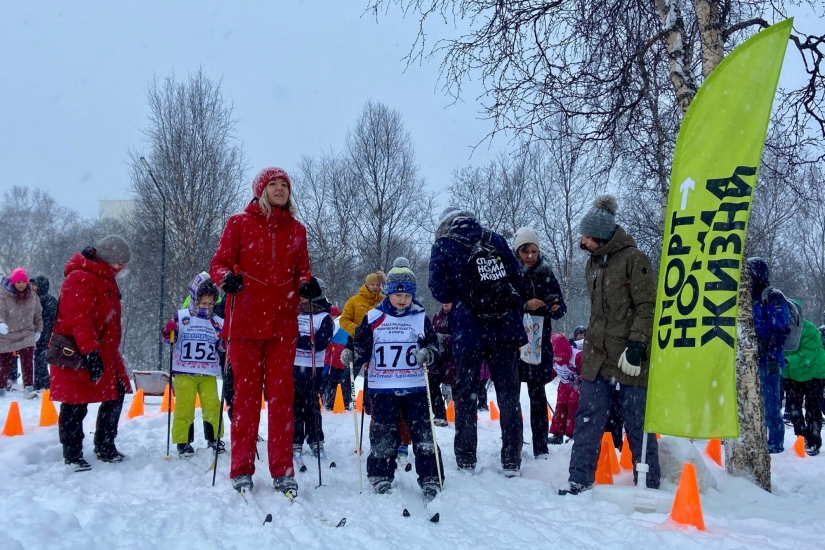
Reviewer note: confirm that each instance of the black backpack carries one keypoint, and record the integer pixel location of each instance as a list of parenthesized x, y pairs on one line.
[(486, 288)]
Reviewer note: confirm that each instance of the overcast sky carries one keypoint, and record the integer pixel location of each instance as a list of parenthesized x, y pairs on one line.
[(73, 77)]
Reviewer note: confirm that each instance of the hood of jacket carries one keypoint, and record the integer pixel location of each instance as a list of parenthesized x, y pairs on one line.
[(42, 285)]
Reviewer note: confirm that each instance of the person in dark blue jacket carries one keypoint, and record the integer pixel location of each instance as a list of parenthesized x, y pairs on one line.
[(771, 320), (477, 337)]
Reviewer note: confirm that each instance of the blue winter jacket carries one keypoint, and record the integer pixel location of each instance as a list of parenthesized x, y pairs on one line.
[(448, 258), (772, 322)]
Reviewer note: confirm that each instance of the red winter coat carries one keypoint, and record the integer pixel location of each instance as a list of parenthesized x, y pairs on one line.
[(274, 251), (89, 312)]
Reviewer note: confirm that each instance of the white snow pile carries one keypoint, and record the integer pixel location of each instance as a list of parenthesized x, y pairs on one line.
[(151, 503)]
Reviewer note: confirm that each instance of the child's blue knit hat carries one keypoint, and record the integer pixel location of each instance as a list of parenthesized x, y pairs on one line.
[(400, 279)]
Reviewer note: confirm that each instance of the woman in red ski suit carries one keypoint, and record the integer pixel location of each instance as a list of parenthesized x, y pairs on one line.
[(268, 246)]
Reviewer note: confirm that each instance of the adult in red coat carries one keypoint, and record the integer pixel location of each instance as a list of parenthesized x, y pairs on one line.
[(269, 248), (89, 313)]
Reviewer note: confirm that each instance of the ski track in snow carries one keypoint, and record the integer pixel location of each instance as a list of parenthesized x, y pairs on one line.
[(150, 503)]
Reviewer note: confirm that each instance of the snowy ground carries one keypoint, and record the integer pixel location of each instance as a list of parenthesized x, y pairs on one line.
[(148, 502)]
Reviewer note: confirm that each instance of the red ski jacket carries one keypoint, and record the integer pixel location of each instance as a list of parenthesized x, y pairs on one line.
[(272, 255)]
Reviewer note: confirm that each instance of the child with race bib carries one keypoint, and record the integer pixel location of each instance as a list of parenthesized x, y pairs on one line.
[(195, 365), (396, 338)]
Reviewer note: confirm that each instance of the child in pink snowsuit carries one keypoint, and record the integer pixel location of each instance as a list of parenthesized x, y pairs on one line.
[(567, 363)]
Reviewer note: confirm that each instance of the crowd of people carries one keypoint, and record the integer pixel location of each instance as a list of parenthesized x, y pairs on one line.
[(272, 332)]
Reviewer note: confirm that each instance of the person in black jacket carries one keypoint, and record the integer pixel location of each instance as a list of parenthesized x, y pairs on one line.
[(543, 299), (40, 285)]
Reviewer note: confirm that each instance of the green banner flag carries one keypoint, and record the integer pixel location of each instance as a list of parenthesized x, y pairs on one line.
[(692, 384)]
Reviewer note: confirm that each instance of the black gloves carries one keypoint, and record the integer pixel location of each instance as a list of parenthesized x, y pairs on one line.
[(310, 290), (635, 352), (232, 282), (95, 365)]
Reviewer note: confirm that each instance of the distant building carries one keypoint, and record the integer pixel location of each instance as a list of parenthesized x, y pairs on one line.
[(118, 210)]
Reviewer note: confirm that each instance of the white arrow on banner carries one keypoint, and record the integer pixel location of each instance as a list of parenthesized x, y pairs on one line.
[(685, 188)]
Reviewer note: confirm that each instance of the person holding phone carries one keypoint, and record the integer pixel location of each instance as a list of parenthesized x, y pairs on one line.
[(544, 299)]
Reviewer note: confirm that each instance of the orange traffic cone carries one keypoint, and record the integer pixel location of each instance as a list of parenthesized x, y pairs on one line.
[(225, 407), (658, 437), (494, 414), (714, 450), (604, 472), (549, 414), (799, 446), (359, 401), (607, 441), (338, 406), (451, 412), (48, 414), (136, 409), (14, 425), (626, 458), (197, 401), (687, 507), (167, 398), (263, 402)]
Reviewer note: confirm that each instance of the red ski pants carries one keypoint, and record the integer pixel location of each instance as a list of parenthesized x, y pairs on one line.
[(567, 403), (262, 366), (7, 361)]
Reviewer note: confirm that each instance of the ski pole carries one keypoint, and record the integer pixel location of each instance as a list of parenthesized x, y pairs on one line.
[(432, 419), (223, 384), (315, 394), (169, 403), (355, 427), (363, 408)]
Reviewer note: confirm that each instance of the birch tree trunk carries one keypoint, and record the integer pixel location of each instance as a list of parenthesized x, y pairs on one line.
[(748, 456)]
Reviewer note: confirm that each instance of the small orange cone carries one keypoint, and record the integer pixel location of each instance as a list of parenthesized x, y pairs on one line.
[(607, 441), (658, 437), (359, 401), (494, 414), (225, 407), (197, 401), (164, 405), (451, 412), (604, 472), (799, 447), (338, 406), (714, 450), (136, 408), (48, 414), (626, 458), (14, 425), (549, 414), (687, 507), (263, 402)]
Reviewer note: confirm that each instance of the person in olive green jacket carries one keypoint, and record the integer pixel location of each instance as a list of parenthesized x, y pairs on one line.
[(804, 380), (622, 290)]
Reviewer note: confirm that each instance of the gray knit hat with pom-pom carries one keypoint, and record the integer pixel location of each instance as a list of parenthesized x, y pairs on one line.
[(600, 221)]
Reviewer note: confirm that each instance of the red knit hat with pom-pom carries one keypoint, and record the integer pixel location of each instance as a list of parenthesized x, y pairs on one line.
[(265, 176)]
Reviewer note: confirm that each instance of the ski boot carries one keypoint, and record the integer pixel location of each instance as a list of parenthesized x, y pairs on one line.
[(109, 453), (185, 450), (78, 464), (430, 490), (382, 486), (242, 483), (215, 442), (317, 449), (573, 488), (286, 485), (555, 439)]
